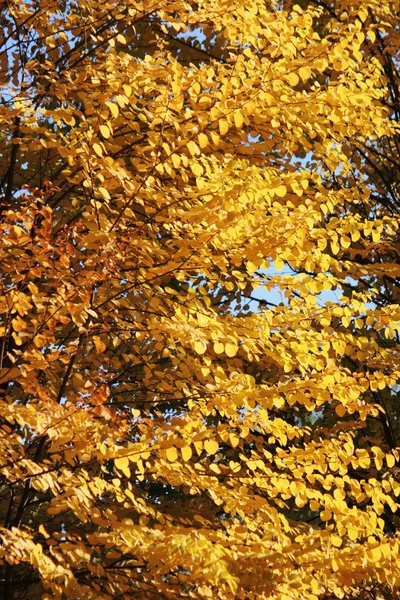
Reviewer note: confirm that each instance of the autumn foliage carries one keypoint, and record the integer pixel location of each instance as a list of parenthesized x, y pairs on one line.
[(200, 299)]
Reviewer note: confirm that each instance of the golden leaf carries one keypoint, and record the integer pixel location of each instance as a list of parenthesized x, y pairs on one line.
[(238, 118), (234, 466), (176, 161), (203, 140), (280, 191), (127, 89), (325, 515), (340, 410), (172, 454), (336, 540), (99, 344), (390, 460), (305, 73), (148, 190), (223, 126), (231, 349), (374, 554), (104, 130), (219, 348), (293, 79), (113, 108), (211, 446), (200, 347), (186, 452), (122, 464), (97, 148), (104, 192)]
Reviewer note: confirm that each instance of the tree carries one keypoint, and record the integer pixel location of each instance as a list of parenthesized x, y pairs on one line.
[(162, 433)]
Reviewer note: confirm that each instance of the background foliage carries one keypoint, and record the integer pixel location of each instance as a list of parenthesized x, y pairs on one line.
[(163, 433)]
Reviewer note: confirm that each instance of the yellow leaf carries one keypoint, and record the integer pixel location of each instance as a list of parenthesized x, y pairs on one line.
[(223, 126), (231, 349), (219, 348), (104, 193), (336, 541), (305, 73), (122, 464), (200, 347), (196, 169), (122, 100), (186, 452), (335, 247), (214, 467), (339, 494), (360, 35), (211, 446), (386, 550), (374, 554), (280, 191), (215, 138), (97, 149), (390, 460), (352, 532), (345, 241), (250, 107), (113, 109), (196, 88), (172, 454), (193, 148), (293, 79), (364, 462), (198, 446), (105, 132), (203, 140), (234, 440), (176, 161), (251, 267), (238, 118), (127, 89)]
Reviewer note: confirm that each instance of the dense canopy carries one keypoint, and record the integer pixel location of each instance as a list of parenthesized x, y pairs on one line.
[(200, 299)]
